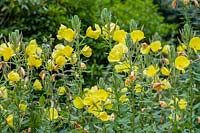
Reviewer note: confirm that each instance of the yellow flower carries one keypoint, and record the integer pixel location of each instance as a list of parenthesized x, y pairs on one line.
[(123, 99), (3, 92), (33, 49), (150, 71), (145, 49), (165, 84), (50, 65), (108, 104), (137, 35), (36, 62), (66, 33), (181, 47), (101, 95), (86, 51), (166, 49), (78, 103), (60, 61), (88, 100), (122, 67), (172, 117), (119, 36), (22, 106), (13, 76), (182, 62), (155, 46), (182, 104), (103, 116), (165, 71), (121, 46), (53, 114), (138, 88), (9, 121), (93, 33), (61, 91), (67, 51), (195, 43), (115, 54), (112, 28), (6, 52), (73, 58), (37, 85)]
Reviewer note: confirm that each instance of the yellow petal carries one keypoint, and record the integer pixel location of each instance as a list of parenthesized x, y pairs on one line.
[(137, 35), (53, 114), (78, 103)]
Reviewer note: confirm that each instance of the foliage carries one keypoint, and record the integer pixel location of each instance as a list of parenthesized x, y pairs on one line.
[(39, 18), (146, 86)]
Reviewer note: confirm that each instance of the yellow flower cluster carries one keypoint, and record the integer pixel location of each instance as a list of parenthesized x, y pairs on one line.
[(96, 101)]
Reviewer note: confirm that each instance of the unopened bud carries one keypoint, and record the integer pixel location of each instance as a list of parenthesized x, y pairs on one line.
[(198, 119), (174, 3), (83, 66), (157, 86), (21, 72)]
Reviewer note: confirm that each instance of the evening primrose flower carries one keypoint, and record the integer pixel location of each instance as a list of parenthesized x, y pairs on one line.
[(195, 44), (60, 61), (182, 104), (6, 52), (65, 33), (50, 65), (93, 33), (112, 28), (166, 49), (61, 91), (145, 49), (123, 99), (37, 85), (165, 71), (33, 49), (86, 51), (115, 54), (150, 71), (36, 62), (138, 88), (78, 103), (182, 62), (119, 36), (182, 47), (101, 95), (22, 107), (122, 67), (9, 121), (155, 46), (13, 76), (165, 84), (53, 114), (103, 116), (137, 35)]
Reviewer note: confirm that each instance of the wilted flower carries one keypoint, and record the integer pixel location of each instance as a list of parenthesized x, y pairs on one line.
[(3, 92), (163, 104), (93, 33)]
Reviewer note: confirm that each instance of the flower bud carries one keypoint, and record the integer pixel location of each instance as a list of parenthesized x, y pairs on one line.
[(42, 75), (83, 66), (198, 119)]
